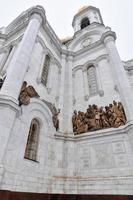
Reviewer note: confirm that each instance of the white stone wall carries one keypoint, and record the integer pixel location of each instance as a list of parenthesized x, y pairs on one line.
[(92, 163)]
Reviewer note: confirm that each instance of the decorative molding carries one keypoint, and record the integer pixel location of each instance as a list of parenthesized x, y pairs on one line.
[(82, 37), (12, 43), (97, 134), (102, 57), (77, 68), (108, 36)]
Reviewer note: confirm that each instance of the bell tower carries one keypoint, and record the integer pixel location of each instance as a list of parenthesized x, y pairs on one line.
[(85, 17)]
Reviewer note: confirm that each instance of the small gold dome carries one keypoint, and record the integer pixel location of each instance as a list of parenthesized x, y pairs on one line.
[(82, 8)]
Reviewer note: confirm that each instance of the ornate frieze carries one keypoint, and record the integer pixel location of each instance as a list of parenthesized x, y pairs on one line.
[(96, 118)]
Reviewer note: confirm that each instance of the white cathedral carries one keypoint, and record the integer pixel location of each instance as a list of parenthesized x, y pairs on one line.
[(66, 109)]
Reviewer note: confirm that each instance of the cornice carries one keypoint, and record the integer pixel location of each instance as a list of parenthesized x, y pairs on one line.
[(53, 37), (108, 36), (13, 43), (118, 132), (94, 28), (23, 19), (37, 10), (91, 47), (90, 62), (2, 36), (9, 102)]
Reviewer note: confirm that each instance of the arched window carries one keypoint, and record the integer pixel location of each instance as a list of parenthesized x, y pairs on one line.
[(44, 76), (85, 22), (32, 142), (92, 80)]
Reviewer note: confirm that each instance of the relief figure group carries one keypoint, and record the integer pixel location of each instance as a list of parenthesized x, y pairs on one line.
[(96, 118)]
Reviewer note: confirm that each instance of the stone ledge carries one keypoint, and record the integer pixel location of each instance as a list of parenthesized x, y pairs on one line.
[(96, 134)]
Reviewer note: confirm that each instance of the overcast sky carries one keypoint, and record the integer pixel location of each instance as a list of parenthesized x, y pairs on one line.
[(118, 14)]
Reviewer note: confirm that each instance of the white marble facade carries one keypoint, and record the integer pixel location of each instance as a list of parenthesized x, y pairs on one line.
[(99, 162)]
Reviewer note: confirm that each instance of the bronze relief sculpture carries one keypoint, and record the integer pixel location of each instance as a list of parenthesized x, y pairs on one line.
[(96, 118), (26, 93)]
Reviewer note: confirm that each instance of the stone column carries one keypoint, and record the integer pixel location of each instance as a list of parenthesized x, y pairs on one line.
[(74, 97), (19, 63), (70, 94), (58, 87), (122, 81), (86, 88)]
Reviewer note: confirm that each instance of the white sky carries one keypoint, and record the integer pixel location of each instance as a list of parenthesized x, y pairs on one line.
[(118, 14)]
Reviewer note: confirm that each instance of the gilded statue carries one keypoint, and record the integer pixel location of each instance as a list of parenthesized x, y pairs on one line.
[(26, 93), (96, 118)]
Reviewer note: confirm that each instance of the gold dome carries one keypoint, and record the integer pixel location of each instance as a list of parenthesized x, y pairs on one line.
[(66, 39), (82, 8)]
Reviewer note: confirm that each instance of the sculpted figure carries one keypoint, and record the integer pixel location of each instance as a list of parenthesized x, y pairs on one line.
[(26, 93), (31, 92), (56, 120), (81, 125), (98, 118), (79, 122), (122, 112), (111, 115), (90, 118), (120, 115), (104, 119)]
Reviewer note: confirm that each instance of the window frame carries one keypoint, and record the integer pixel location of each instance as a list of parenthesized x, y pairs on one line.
[(31, 150), (84, 23)]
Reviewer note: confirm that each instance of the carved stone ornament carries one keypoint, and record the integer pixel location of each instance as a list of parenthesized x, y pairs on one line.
[(86, 42), (96, 118), (55, 113), (26, 93)]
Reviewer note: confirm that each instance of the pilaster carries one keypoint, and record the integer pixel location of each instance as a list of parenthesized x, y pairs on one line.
[(121, 78), (20, 61), (61, 93), (70, 94)]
